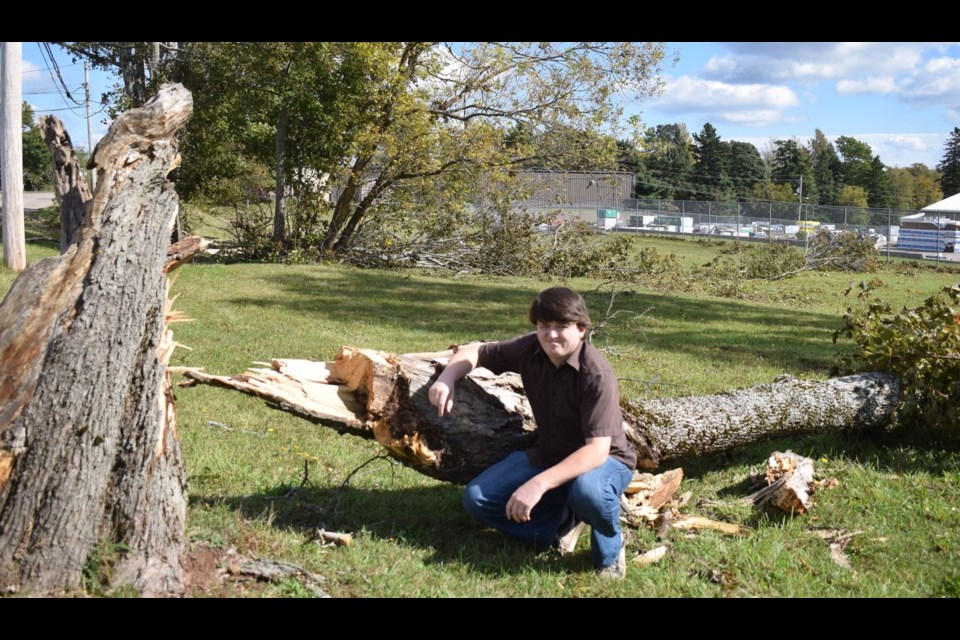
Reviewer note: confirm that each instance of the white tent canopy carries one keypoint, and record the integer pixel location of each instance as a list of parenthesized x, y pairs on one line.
[(947, 205)]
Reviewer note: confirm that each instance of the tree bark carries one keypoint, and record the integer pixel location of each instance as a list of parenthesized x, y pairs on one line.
[(382, 396), (89, 454), (280, 214), (69, 182)]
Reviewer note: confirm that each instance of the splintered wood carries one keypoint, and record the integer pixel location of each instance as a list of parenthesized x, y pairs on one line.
[(790, 483), (648, 500)]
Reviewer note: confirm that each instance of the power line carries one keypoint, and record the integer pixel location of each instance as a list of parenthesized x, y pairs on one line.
[(47, 53)]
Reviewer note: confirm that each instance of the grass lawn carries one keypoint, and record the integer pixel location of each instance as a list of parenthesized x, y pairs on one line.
[(262, 482)]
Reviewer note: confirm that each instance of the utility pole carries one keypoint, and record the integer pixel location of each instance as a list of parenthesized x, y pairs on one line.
[(86, 86), (11, 122), (800, 207)]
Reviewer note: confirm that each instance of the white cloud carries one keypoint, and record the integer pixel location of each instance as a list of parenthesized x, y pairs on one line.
[(34, 78), (938, 80), (871, 84), (813, 61), (753, 104), (758, 118)]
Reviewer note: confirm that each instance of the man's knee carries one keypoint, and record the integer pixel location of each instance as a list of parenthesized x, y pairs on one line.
[(594, 496), (473, 499)]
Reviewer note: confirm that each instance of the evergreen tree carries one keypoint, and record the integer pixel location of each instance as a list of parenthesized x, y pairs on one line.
[(710, 175), (791, 162), (949, 166), (826, 168), (878, 185), (668, 157), (746, 168)]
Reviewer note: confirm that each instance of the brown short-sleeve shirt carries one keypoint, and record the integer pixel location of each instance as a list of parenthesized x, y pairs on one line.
[(576, 401)]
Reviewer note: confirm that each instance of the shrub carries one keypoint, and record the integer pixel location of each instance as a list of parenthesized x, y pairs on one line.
[(921, 346)]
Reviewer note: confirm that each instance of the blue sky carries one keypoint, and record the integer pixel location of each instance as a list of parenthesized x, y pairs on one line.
[(903, 99)]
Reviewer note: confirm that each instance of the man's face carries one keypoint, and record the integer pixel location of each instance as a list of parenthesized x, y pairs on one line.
[(559, 339)]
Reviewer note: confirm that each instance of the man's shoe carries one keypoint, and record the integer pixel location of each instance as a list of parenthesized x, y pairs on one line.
[(569, 532), (617, 570)]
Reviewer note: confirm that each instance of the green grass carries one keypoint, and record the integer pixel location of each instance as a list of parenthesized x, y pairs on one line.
[(899, 493)]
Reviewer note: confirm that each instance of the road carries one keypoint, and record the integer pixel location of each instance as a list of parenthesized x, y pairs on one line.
[(33, 200)]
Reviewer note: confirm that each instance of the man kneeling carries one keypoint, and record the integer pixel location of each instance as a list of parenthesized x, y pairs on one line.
[(582, 461)]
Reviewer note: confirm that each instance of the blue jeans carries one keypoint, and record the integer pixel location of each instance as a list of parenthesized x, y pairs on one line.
[(594, 497)]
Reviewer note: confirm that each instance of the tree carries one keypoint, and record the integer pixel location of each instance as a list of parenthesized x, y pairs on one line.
[(383, 397), (914, 187), (855, 161), (791, 161), (710, 175), (438, 115), (851, 196), (826, 168), (926, 189), (878, 184), (746, 168), (37, 164), (402, 135), (949, 166), (668, 156), (142, 66), (90, 458), (289, 106), (902, 184)]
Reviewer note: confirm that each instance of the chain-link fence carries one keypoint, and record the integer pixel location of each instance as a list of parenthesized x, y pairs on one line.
[(758, 220)]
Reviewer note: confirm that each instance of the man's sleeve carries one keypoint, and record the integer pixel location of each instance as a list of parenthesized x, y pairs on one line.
[(600, 412), (500, 357)]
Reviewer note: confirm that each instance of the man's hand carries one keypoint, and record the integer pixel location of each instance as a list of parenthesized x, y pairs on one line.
[(441, 396), (524, 499), (462, 363)]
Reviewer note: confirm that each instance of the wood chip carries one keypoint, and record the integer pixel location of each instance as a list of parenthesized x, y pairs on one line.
[(791, 483), (654, 555), (332, 538), (699, 522)]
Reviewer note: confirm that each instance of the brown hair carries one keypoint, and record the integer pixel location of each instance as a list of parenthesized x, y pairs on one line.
[(560, 304)]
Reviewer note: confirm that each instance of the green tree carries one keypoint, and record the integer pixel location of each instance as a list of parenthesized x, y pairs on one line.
[(860, 168), (774, 191), (949, 166), (141, 66), (710, 174), (855, 161), (791, 161), (902, 185), (851, 196), (438, 117), (746, 168), (288, 106), (926, 189), (826, 168), (405, 134), (878, 184), (668, 157), (37, 163)]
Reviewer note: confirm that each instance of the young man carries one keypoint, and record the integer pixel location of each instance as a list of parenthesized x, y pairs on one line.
[(582, 461)]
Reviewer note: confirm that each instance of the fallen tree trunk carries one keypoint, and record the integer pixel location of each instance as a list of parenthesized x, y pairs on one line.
[(90, 462), (384, 397)]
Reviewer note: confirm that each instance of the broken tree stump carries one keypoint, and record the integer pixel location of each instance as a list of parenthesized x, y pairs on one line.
[(384, 397), (89, 453), (69, 182)]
